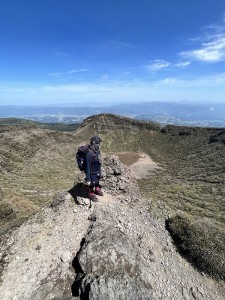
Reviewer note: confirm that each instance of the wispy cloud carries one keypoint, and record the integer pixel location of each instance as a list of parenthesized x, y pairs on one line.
[(157, 65), (170, 88), (212, 45), (182, 64), (213, 51), (216, 80), (63, 74), (224, 17), (78, 71), (55, 74)]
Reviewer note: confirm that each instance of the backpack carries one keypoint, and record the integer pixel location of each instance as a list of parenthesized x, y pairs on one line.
[(81, 156)]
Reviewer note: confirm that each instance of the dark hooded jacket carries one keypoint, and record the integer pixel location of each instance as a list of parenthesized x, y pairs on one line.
[(93, 164)]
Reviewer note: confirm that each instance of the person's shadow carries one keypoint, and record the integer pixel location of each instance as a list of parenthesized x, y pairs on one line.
[(79, 190)]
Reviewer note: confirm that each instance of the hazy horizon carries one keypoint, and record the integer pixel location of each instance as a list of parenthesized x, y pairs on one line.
[(108, 104)]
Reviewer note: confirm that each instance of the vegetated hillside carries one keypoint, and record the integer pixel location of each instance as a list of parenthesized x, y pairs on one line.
[(194, 178), (118, 133), (53, 126), (193, 161), (35, 163), (190, 186)]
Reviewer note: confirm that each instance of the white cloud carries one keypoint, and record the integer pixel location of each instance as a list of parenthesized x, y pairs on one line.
[(77, 71), (167, 81), (212, 45), (170, 88), (217, 80), (182, 64), (157, 65), (213, 51)]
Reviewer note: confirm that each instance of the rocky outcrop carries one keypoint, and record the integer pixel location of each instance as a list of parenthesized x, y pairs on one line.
[(118, 178), (109, 264), (110, 250), (111, 267)]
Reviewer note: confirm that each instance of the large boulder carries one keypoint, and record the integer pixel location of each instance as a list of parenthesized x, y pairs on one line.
[(111, 267)]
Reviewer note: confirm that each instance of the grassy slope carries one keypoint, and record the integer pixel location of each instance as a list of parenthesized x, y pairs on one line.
[(192, 179), (52, 126), (36, 163), (191, 182), (193, 187), (193, 176), (202, 241)]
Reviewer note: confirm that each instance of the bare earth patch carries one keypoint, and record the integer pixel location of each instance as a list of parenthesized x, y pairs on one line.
[(141, 164)]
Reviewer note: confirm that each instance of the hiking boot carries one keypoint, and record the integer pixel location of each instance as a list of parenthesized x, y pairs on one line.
[(92, 197), (98, 191)]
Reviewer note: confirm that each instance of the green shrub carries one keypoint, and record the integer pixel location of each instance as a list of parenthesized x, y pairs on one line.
[(6, 211), (201, 241)]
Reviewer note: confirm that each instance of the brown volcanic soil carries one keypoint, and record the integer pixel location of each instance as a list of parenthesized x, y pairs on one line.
[(141, 164)]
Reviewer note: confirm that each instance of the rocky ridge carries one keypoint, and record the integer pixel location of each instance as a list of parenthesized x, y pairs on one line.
[(113, 249)]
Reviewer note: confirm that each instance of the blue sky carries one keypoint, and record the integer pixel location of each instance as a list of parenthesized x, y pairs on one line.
[(82, 51)]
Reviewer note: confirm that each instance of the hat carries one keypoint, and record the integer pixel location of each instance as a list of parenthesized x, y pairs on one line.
[(95, 139)]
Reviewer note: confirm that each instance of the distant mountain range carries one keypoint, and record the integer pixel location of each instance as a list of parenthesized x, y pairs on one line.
[(165, 113)]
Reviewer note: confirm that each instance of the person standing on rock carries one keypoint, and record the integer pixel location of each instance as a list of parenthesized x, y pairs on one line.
[(93, 168)]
